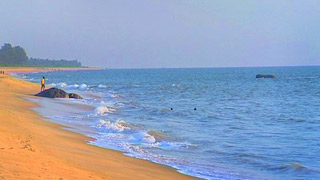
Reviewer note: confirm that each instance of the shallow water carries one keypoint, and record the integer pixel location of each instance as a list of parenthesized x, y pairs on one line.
[(242, 128)]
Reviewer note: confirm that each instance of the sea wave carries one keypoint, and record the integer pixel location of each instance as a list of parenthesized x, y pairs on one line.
[(182, 166), (158, 135), (74, 86), (83, 86), (77, 86), (103, 110), (119, 126), (102, 86), (62, 84), (297, 167), (136, 135)]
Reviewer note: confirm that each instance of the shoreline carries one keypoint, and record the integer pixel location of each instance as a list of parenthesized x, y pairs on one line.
[(45, 69), (38, 149)]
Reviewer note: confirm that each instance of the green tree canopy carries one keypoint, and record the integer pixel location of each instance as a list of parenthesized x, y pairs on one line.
[(17, 56), (12, 55)]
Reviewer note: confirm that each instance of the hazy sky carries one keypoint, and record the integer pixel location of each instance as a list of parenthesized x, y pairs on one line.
[(166, 33)]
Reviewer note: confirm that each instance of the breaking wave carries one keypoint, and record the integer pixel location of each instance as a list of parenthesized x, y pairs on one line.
[(103, 110), (102, 86), (119, 126)]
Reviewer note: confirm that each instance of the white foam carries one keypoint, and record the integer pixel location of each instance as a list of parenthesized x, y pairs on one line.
[(83, 86), (73, 86), (176, 85), (62, 84), (118, 126), (115, 95), (103, 110), (102, 86), (148, 138), (121, 126), (53, 84)]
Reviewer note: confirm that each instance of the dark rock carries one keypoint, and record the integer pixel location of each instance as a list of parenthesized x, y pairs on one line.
[(53, 93), (57, 93), (265, 76), (75, 96)]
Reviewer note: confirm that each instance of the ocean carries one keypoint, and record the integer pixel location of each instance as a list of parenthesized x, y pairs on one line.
[(212, 123)]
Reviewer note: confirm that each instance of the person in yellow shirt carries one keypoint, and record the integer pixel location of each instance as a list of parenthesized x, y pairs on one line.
[(43, 86)]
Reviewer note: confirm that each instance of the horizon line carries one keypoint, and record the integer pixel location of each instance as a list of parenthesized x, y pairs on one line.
[(201, 67)]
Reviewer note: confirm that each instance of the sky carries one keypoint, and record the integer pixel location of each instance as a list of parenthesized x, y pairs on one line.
[(166, 33)]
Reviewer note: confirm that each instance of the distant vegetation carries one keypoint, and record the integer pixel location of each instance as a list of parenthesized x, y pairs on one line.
[(53, 63), (17, 56), (13, 55)]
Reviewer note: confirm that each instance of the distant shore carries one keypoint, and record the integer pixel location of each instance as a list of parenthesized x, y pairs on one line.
[(32, 148), (45, 69)]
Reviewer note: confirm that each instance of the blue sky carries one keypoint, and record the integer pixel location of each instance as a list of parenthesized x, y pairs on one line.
[(166, 33)]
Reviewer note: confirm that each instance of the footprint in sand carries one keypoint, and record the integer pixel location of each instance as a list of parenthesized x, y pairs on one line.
[(28, 147)]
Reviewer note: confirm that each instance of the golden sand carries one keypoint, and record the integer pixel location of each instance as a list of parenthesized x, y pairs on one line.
[(31, 148)]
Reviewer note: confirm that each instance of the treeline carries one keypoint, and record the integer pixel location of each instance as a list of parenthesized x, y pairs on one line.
[(17, 56), (53, 63), (13, 55)]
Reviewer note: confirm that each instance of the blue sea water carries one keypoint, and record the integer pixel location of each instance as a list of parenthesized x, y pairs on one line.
[(242, 127)]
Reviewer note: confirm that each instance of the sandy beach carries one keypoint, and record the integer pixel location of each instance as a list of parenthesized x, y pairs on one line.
[(32, 148)]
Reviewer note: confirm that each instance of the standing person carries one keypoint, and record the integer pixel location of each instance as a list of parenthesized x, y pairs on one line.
[(43, 86)]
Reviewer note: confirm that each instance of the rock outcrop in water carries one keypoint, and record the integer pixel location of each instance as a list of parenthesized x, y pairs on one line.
[(57, 93), (265, 76), (74, 96)]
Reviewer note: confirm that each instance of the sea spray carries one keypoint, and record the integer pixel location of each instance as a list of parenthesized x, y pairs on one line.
[(118, 126), (103, 110)]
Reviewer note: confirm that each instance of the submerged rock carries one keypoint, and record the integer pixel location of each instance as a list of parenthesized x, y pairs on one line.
[(57, 93), (265, 76), (74, 96)]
